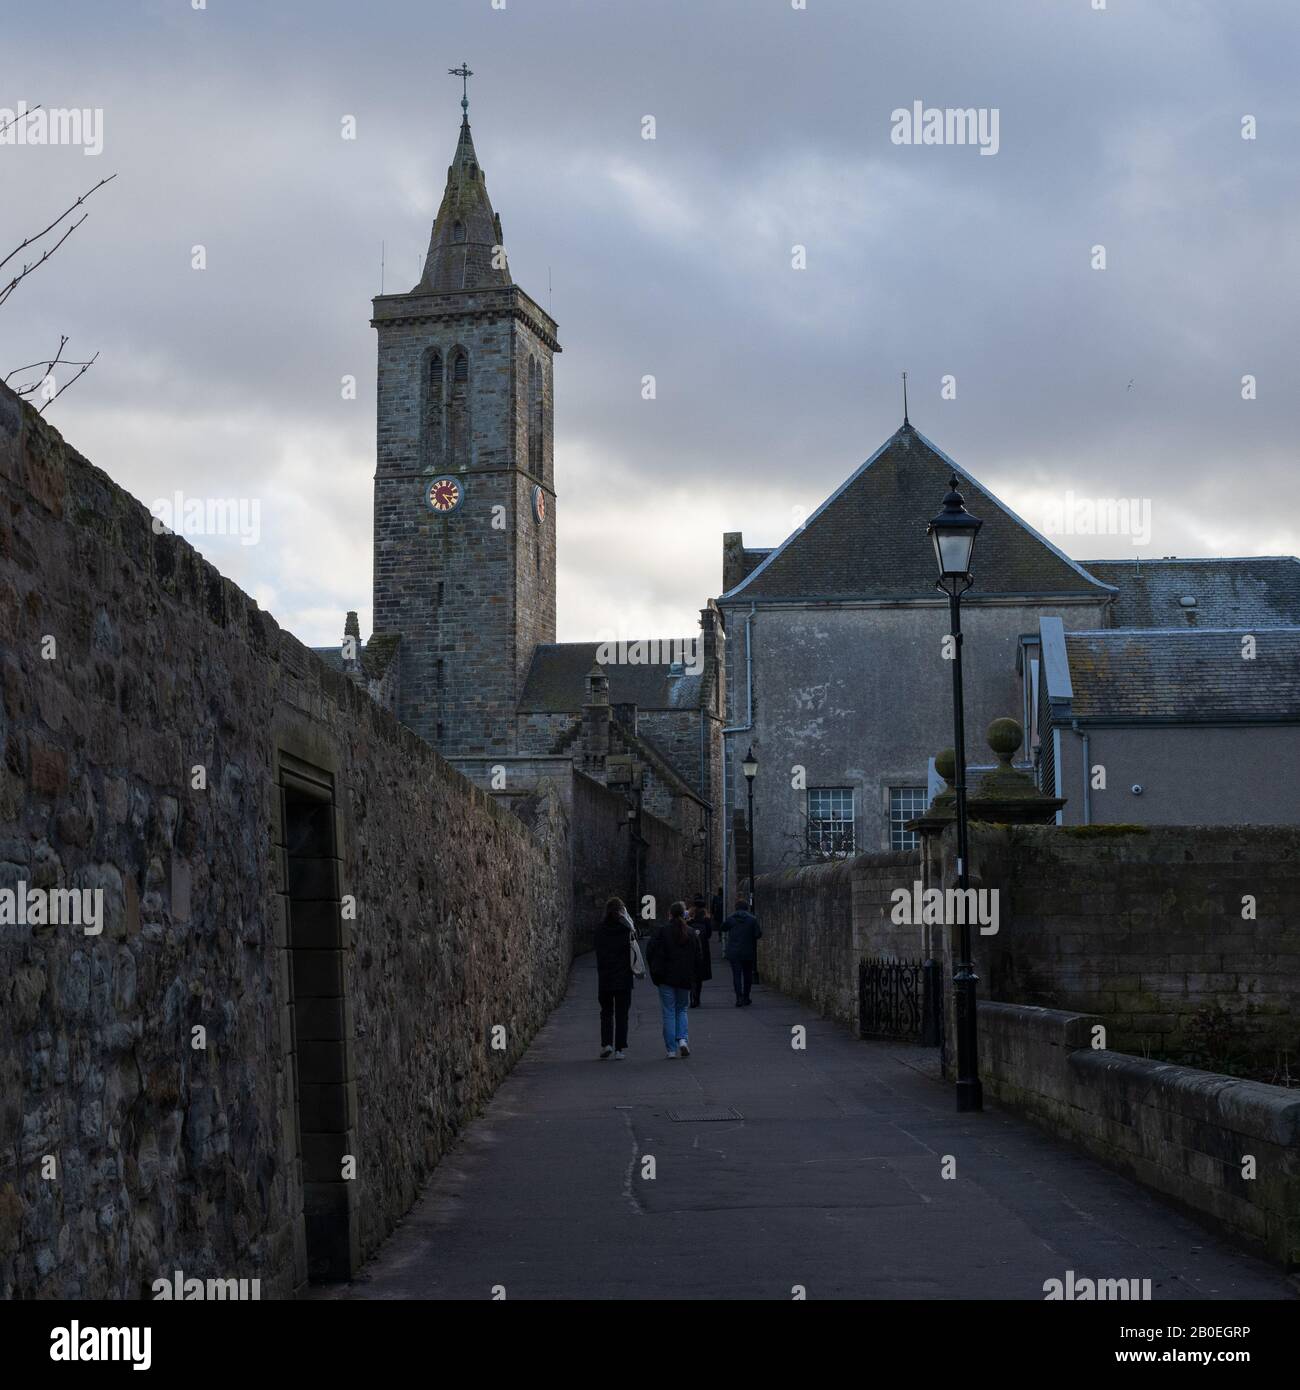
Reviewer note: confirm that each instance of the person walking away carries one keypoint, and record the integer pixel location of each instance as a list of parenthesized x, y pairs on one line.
[(702, 924), (742, 931), (672, 960), (614, 978), (717, 911)]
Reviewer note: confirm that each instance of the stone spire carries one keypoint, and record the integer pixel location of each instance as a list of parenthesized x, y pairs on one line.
[(466, 233)]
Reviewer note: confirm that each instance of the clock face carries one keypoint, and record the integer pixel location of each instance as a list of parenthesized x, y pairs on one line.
[(539, 505), (444, 495)]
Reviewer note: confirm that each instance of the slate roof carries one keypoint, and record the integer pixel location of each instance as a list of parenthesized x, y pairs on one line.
[(331, 656), (868, 541), (557, 680), (1253, 591), (1193, 677)]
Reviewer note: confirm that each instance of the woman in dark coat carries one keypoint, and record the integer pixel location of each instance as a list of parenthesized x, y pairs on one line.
[(703, 924), (673, 961), (614, 978)]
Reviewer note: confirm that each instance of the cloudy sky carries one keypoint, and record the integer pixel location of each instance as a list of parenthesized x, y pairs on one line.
[(1119, 127)]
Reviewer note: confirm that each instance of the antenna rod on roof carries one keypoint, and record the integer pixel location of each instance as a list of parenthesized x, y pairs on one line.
[(905, 420)]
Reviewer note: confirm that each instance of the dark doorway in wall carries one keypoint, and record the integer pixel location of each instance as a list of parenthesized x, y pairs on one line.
[(324, 1088)]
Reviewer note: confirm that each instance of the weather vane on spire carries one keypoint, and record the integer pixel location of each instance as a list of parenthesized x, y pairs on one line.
[(464, 72)]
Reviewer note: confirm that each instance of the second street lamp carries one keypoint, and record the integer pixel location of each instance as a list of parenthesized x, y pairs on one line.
[(750, 768), (953, 532)]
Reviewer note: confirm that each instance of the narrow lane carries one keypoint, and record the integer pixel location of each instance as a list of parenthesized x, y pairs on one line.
[(831, 1179)]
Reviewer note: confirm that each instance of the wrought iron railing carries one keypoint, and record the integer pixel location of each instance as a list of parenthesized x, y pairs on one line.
[(900, 999)]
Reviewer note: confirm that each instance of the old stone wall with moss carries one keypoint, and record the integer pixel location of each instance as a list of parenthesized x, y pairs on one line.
[(1185, 939), (321, 947)]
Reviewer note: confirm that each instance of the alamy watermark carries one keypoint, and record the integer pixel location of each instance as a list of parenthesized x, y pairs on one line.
[(920, 906), (208, 516), (77, 1343), (1100, 516), (53, 907), (946, 125), (179, 1289), (57, 125), (684, 652), (1082, 1290)]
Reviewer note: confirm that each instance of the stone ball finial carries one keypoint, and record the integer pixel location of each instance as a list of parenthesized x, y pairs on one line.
[(1005, 736), (945, 764)]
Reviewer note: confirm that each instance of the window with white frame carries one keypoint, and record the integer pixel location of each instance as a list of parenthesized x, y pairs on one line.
[(904, 803), (830, 822)]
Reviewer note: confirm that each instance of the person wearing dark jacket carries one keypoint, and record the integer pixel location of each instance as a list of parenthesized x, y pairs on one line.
[(614, 978), (703, 928), (717, 911), (673, 962), (741, 950)]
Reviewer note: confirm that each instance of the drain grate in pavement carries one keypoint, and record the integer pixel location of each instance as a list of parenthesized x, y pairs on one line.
[(706, 1112)]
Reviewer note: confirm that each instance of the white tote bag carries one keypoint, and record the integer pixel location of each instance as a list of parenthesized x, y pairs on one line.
[(638, 960)]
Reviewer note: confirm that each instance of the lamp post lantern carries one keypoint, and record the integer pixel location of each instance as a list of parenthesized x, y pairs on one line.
[(750, 768), (953, 533)]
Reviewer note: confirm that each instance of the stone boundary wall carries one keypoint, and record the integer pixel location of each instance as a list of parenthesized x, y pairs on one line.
[(1182, 1132), (602, 864), (126, 1151), (1145, 926), (820, 920), (673, 867)]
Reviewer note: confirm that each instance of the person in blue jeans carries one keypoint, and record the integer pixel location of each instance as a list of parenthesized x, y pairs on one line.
[(673, 961)]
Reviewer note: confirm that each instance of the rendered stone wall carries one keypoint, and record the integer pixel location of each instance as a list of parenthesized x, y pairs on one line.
[(819, 921), (602, 863), (1185, 1133), (167, 1156)]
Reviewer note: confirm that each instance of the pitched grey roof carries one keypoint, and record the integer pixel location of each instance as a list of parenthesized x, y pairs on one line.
[(1193, 677), (557, 679), (1253, 591), (868, 541)]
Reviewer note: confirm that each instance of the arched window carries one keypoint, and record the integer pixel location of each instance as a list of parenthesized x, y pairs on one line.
[(459, 431), (534, 417), (433, 423)]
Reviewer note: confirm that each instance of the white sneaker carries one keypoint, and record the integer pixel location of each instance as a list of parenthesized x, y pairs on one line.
[(606, 1053), (620, 1055), (672, 1057), (683, 1049)]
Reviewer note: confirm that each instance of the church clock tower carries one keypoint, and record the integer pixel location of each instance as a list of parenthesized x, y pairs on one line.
[(464, 560)]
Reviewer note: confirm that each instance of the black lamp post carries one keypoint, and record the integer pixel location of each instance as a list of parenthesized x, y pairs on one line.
[(953, 532), (750, 768)]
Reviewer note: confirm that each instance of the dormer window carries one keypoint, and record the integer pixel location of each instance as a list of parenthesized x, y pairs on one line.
[(458, 231)]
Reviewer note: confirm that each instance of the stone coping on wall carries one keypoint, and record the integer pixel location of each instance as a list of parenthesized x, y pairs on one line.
[(1191, 1135)]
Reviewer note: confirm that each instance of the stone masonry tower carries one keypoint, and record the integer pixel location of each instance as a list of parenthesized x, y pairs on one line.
[(464, 480)]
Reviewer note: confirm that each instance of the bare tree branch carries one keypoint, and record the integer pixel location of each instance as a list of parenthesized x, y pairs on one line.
[(13, 284), (47, 369), (22, 116), (30, 387), (85, 367), (49, 366)]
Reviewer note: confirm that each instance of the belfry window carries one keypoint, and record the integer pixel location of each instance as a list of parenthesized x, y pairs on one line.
[(534, 417), (433, 442), (459, 422), (458, 231)]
